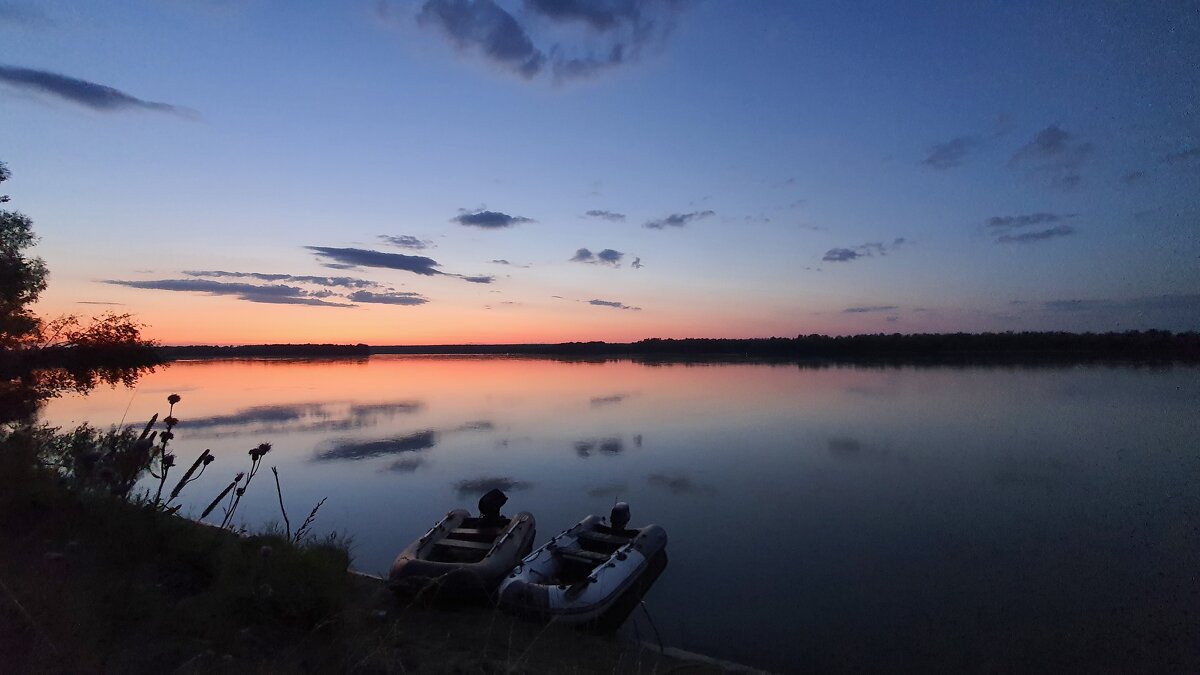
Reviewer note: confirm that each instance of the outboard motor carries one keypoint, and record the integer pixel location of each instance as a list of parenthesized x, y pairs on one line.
[(619, 516), (490, 504)]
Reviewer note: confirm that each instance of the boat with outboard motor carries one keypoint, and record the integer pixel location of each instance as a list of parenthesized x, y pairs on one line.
[(580, 574), (464, 557)]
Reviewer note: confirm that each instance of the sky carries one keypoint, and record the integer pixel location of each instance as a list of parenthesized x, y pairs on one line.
[(492, 171)]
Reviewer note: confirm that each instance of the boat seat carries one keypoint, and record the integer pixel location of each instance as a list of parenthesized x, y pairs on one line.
[(583, 556), (463, 543), (603, 538)]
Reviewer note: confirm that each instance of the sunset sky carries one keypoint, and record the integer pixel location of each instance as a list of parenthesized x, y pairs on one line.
[(470, 171)]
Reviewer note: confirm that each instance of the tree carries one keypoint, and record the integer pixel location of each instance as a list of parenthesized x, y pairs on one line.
[(40, 359), (22, 279)]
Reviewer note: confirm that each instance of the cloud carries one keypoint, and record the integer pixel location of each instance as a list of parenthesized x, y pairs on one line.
[(483, 27), (476, 279), (501, 261), (489, 220), (82, 92), (358, 257), (483, 484), (606, 257), (636, 264), (1039, 235), (844, 446), (333, 282), (270, 294), (1133, 177), (1185, 155), (867, 250), (1055, 155), (952, 153), (1010, 229), (406, 465), (613, 304), (358, 449), (388, 298), (676, 220), (405, 241), (608, 490), (869, 308), (606, 215), (608, 400), (1179, 302)]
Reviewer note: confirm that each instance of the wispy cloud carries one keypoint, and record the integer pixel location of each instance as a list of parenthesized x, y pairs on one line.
[(952, 153), (636, 264), (605, 215), (1185, 304), (334, 282), (275, 294), (613, 304), (677, 220), (358, 257), (81, 92), (405, 241), (1054, 155), (483, 484), (606, 257), (356, 449), (1182, 156), (489, 220), (867, 250), (869, 308), (24, 15), (388, 298), (1014, 229)]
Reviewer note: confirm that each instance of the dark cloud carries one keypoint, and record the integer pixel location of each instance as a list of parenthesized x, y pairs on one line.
[(1008, 222), (1133, 177), (869, 308), (1185, 155), (676, 220), (483, 27), (613, 304), (843, 446), (405, 241), (275, 294), (867, 250), (388, 298), (952, 153), (489, 220), (636, 264), (296, 417), (606, 257), (358, 257), (1054, 155), (82, 92), (605, 446), (476, 279), (478, 486), (97, 302), (257, 415), (1037, 235), (606, 215), (678, 483), (406, 465), (476, 425), (334, 282), (608, 400), (358, 449)]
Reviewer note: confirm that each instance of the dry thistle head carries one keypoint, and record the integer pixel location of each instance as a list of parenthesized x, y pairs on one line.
[(208, 458), (170, 421), (261, 450), (173, 399)]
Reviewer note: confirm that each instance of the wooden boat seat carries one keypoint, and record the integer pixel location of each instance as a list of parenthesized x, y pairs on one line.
[(463, 543)]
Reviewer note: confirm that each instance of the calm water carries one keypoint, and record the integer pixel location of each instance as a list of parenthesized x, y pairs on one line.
[(833, 518)]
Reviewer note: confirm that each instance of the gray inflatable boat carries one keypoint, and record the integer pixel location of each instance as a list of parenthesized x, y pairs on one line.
[(583, 572), (464, 557)]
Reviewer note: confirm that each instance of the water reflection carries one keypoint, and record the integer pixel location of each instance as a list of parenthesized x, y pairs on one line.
[(929, 511)]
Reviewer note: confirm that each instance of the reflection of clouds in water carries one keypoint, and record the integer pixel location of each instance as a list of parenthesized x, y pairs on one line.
[(607, 446), (678, 484), (850, 449), (608, 490), (355, 449), (297, 417), (598, 401), (474, 486), (477, 425), (844, 446), (407, 465)]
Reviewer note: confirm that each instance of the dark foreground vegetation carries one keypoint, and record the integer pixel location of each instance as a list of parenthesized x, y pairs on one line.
[(951, 348)]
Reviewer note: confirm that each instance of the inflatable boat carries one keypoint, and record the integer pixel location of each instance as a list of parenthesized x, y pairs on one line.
[(585, 571), (464, 557)]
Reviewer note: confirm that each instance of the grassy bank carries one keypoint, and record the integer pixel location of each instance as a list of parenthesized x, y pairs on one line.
[(90, 582)]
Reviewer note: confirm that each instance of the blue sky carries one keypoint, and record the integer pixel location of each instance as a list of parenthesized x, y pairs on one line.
[(833, 167)]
